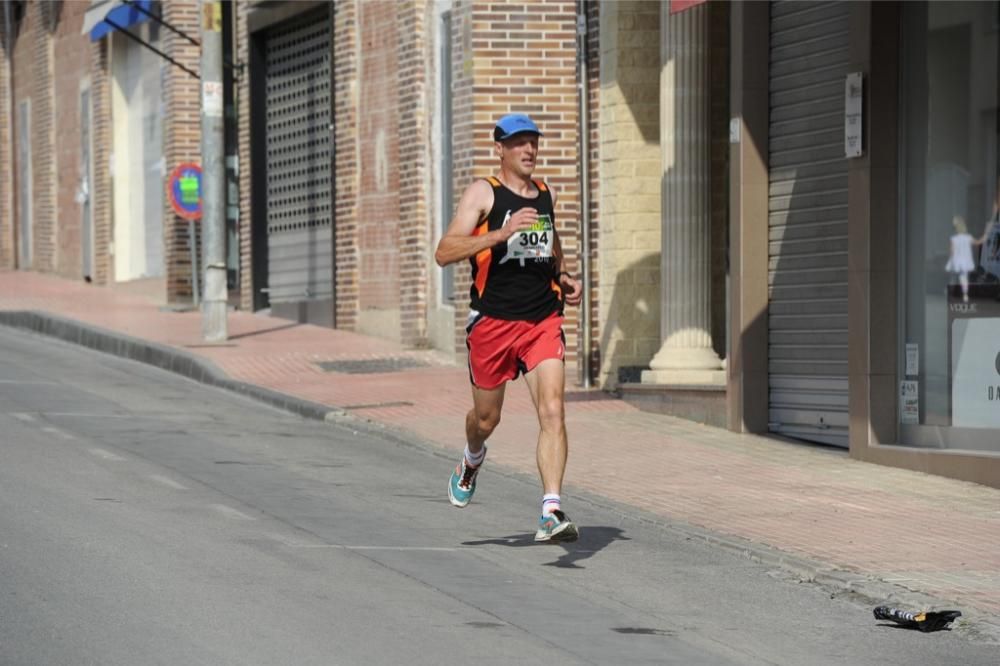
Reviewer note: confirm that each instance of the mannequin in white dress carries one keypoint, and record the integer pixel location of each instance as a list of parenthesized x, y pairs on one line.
[(960, 259)]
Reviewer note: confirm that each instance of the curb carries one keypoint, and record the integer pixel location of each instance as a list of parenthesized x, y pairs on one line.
[(161, 356), (862, 588)]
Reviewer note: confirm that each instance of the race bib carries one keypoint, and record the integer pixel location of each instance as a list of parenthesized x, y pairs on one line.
[(534, 243)]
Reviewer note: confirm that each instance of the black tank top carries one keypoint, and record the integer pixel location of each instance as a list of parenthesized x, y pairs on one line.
[(517, 280)]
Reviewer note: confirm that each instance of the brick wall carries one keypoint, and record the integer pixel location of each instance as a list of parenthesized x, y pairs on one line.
[(43, 135), (518, 57), (629, 259), (346, 46), (415, 221), (181, 135), (100, 90), (379, 195), (6, 156), (72, 69), (241, 50)]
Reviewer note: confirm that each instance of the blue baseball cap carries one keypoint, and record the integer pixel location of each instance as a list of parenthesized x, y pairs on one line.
[(514, 123)]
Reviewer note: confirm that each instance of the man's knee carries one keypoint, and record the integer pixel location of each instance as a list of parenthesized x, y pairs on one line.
[(486, 421), (551, 413)]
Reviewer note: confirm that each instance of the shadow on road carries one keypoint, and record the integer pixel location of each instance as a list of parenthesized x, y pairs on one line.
[(592, 540)]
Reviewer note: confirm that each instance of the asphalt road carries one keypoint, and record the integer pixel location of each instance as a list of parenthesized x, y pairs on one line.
[(148, 519)]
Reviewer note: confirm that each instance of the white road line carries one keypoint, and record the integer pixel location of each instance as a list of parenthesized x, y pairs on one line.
[(107, 455), (230, 512), (90, 415), (338, 546), (52, 430), (20, 416), (25, 381), (170, 483)]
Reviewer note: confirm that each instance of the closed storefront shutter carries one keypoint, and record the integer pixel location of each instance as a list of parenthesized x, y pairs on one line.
[(299, 154), (807, 271)]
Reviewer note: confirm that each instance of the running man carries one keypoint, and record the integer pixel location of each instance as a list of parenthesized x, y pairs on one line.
[(505, 227)]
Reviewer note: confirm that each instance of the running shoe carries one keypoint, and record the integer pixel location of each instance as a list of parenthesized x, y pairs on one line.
[(462, 485), (556, 527)]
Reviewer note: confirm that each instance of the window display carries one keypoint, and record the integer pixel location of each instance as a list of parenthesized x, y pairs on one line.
[(949, 379)]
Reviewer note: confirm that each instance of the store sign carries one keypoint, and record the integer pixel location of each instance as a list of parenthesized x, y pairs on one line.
[(975, 357), (853, 108), (184, 191), (677, 6)]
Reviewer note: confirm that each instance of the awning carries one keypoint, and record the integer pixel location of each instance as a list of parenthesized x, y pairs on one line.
[(120, 12)]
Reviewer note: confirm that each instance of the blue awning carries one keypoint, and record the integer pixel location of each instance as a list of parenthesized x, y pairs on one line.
[(120, 12)]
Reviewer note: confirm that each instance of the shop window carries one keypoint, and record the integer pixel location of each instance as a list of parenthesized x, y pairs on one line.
[(949, 383)]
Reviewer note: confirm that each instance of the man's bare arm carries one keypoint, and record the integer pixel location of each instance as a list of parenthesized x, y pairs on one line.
[(572, 289), (458, 243)]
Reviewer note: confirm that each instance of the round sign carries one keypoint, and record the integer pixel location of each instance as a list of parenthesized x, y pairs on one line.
[(184, 190)]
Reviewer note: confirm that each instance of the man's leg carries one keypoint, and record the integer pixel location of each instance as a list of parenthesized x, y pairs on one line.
[(547, 384), (484, 416), (480, 423)]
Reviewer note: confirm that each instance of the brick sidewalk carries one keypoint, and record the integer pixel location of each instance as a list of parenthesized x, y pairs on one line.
[(928, 534)]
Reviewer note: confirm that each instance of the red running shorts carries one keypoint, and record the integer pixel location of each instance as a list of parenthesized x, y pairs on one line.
[(500, 350)]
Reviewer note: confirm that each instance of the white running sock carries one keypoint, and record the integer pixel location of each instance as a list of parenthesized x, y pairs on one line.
[(475, 459), (550, 503)]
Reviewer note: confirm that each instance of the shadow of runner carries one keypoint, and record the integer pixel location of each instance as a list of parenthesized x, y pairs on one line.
[(592, 540)]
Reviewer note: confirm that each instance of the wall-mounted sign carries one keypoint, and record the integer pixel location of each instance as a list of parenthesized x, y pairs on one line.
[(909, 402), (975, 379), (912, 359), (853, 110), (211, 98), (184, 191)]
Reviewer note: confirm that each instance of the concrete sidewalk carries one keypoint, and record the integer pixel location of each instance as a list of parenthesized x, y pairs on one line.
[(884, 533)]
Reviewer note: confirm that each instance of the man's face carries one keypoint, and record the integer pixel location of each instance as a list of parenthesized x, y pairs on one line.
[(518, 153)]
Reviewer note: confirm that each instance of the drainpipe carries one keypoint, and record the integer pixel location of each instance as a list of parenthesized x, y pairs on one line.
[(583, 96)]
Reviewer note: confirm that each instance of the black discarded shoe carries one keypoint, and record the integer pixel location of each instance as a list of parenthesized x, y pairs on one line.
[(925, 621)]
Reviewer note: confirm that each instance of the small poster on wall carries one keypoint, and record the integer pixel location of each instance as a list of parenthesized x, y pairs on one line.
[(975, 359), (909, 402)]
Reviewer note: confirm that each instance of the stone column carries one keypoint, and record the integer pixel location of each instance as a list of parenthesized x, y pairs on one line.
[(686, 355)]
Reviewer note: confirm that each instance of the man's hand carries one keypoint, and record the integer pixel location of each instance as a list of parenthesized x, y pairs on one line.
[(524, 218), (571, 288)]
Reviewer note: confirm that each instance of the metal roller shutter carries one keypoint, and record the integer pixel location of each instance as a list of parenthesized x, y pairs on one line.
[(299, 154), (807, 270)]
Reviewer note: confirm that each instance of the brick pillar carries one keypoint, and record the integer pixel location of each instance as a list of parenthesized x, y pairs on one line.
[(381, 171), (100, 198), (241, 52), (181, 135), (43, 162), (415, 223), (346, 44)]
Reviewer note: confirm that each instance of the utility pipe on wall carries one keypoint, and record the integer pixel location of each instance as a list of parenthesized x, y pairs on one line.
[(583, 93)]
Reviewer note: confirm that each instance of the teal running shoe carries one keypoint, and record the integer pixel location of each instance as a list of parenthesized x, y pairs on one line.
[(556, 527), (462, 485)]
